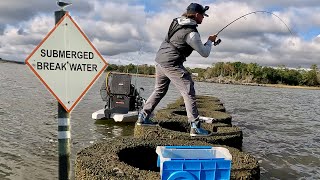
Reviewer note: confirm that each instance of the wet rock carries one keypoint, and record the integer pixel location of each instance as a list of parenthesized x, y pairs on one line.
[(136, 158), (209, 102), (173, 129), (181, 115)]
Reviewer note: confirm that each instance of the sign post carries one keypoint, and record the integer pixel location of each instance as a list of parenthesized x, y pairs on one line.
[(68, 64), (64, 129)]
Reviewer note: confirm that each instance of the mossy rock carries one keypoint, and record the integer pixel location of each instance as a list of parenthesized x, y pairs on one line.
[(208, 106), (181, 114), (223, 134), (127, 158), (211, 107), (215, 105), (200, 100), (205, 97), (219, 116)]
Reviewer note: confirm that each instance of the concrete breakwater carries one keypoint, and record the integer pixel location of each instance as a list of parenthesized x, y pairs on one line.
[(135, 157)]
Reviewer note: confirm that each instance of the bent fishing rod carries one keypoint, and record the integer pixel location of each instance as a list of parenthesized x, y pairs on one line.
[(254, 12)]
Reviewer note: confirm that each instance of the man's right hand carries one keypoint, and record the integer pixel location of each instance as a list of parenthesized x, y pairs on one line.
[(212, 38)]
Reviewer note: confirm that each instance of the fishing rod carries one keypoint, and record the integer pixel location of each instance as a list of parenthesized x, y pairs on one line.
[(254, 12)]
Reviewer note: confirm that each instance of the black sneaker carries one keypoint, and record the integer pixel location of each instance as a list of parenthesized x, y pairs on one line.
[(143, 119)]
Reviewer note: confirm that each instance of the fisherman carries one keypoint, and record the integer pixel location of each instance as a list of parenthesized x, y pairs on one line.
[(181, 40)]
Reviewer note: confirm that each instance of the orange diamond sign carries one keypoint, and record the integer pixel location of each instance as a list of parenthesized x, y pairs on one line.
[(66, 62)]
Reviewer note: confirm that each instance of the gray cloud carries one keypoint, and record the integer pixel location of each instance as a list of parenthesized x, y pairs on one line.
[(15, 11), (279, 4), (110, 48), (128, 32), (2, 27)]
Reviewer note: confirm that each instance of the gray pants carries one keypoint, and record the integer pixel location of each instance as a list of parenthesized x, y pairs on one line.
[(181, 78)]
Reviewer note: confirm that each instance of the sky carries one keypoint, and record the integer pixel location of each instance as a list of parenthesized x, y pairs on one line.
[(131, 31)]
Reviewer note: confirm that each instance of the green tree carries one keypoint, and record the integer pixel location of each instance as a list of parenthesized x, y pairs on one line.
[(131, 68), (312, 76)]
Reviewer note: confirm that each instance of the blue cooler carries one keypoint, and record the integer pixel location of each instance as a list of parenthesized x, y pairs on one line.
[(194, 162)]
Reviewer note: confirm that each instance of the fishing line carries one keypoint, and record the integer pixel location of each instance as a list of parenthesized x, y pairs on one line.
[(139, 53), (243, 16), (140, 40)]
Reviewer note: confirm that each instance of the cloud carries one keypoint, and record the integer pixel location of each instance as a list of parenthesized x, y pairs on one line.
[(250, 25), (132, 31), (15, 11), (120, 30), (17, 41), (23, 10), (279, 3)]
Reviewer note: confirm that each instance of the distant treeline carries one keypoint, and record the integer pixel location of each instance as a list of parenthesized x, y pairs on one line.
[(11, 61), (133, 69), (239, 72)]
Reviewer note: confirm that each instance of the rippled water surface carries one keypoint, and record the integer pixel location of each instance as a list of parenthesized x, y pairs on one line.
[(280, 126)]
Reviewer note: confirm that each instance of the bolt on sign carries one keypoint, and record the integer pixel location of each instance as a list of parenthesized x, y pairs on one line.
[(66, 62)]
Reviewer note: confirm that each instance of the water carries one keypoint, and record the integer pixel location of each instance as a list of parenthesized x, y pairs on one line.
[(280, 126)]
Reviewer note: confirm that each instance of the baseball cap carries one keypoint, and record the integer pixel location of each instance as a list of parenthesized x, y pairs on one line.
[(197, 8)]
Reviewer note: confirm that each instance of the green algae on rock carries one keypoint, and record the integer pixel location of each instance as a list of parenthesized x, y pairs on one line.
[(135, 157), (174, 129), (181, 114), (202, 102)]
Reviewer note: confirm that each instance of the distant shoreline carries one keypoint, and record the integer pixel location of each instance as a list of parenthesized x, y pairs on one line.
[(270, 85), (11, 61), (244, 84), (294, 87)]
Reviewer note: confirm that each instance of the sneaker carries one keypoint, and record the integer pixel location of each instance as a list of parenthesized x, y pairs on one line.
[(144, 119), (196, 130)]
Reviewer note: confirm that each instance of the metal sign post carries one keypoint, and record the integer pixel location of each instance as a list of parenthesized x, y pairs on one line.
[(64, 138), (64, 134)]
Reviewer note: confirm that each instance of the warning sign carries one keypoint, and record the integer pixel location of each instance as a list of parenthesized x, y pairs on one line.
[(66, 62)]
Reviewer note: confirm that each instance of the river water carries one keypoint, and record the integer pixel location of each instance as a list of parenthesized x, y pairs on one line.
[(280, 126)]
